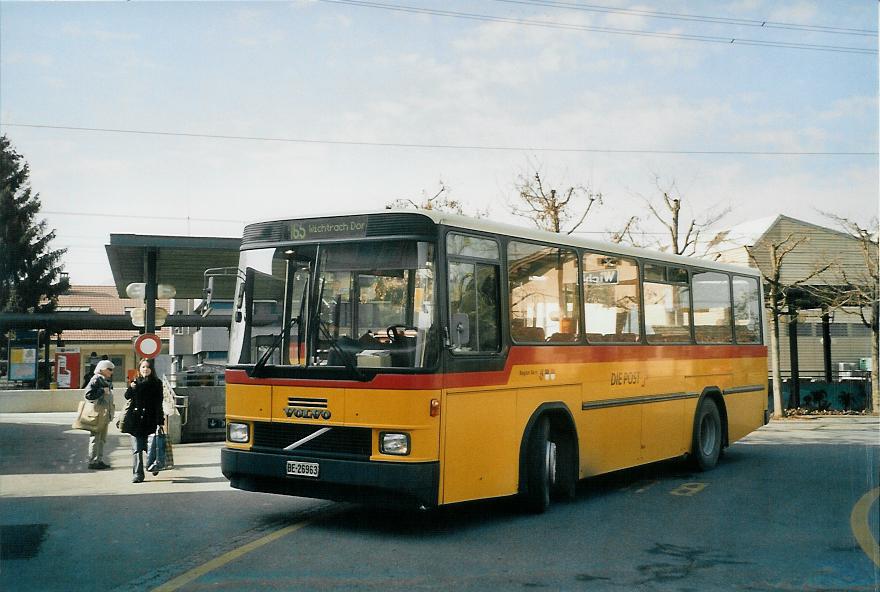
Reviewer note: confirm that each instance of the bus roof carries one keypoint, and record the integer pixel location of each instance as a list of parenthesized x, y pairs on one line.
[(513, 231)]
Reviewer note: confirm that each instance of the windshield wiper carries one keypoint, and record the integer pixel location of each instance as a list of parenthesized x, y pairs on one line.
[(264, 359), (347, 357), (297, 320)]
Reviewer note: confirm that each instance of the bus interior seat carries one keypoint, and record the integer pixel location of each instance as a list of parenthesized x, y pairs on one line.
[(403, 352), (746, 335), (368, 340), (713, 334), (527, 333), (612, 337), (670, 335), (346, 344)]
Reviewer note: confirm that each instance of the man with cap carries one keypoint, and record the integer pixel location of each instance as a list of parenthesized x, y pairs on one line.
[(100, 390)]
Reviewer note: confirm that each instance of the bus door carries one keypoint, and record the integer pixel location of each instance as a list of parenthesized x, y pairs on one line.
[(480, 446)]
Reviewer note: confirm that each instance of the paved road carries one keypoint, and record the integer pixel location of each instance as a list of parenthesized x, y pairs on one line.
[(793, 507)]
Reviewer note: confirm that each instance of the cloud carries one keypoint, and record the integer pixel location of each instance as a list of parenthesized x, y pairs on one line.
[(18, 58), (253, 28), (510, 37), (795, 12), (850, 106), (98, 33)]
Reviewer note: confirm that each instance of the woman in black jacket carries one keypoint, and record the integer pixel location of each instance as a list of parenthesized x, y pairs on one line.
[(144, 414)]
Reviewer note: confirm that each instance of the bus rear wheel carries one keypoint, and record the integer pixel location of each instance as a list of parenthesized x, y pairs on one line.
[(541, 463), (708, 436)]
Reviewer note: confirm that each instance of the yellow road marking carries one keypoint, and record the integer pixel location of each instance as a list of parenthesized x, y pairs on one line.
[(858, 521), (222, 560)]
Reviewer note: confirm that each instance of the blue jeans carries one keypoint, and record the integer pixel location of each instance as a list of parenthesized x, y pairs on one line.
[(138, 447)]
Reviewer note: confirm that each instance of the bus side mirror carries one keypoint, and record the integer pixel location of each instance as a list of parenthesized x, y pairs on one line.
[(461, 330), (209, 291)]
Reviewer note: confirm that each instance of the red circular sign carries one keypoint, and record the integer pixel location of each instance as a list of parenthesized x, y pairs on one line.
[(148, 345)]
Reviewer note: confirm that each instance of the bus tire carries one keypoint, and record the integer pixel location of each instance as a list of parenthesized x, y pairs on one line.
[(540, 468), (708, 436), (565, 483)]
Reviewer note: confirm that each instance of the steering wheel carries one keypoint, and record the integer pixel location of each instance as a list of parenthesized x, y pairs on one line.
[(394, 335)]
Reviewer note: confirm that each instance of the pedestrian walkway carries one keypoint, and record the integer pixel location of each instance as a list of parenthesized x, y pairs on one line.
[(196, 466), (819, 429)]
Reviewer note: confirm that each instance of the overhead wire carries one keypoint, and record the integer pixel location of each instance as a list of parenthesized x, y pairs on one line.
[(727, 40), (146, 216), (447, 146), (763, 24)]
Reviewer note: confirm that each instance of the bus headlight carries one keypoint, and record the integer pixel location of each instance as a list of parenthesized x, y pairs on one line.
[(394, 443), (238, 432)]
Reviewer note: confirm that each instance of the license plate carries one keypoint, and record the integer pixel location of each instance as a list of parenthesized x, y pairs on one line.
[(302, 469)]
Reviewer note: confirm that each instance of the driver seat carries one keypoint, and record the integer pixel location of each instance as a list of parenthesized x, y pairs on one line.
[(403, 350)]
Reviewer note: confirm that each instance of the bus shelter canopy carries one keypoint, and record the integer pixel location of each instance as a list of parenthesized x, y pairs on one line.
[(180, 261)]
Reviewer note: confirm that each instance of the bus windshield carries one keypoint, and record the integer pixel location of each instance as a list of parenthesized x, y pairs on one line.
[(355, 305)]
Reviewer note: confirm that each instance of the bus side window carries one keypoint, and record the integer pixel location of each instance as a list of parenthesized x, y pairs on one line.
[(667, 304), (473, 299), (711, 307), (746, 310), (544, 293), (611, 299)]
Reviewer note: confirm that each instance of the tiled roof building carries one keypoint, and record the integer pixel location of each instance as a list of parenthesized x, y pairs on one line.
[(102, 300), (117, 345)]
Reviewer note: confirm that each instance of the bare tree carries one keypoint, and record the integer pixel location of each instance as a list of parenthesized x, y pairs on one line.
[(860, 288), (550, 208), (439, 201), (777, 294), (681, 236)]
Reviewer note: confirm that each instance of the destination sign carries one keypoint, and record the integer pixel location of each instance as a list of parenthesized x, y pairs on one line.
[(329, 228), (607, 276)]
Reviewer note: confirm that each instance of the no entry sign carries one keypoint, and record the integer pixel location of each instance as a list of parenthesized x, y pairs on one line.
[(148, 345)]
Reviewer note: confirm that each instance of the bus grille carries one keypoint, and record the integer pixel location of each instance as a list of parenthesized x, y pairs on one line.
[(337, 441)]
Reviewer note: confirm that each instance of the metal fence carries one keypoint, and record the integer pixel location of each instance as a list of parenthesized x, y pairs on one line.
[(837, 375), (849, 391)]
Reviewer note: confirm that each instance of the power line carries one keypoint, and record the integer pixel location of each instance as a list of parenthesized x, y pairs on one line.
[(76, 246), (763, 24), (174, 218), (611, 30), (441, 146)]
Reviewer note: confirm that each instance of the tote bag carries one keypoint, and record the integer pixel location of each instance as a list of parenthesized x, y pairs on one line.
[(90, 416), (124, 423), (156, 451)]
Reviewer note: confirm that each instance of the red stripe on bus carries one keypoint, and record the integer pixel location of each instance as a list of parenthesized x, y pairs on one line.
[(520, 355), (382, 381)]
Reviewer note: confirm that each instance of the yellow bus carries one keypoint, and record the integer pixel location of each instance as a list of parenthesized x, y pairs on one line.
[(421, 358)]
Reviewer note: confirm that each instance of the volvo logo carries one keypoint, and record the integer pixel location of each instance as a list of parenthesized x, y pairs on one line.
[(301, 413)]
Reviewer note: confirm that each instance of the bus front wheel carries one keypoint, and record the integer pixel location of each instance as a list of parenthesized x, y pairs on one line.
[(707, 438), (540, 467)]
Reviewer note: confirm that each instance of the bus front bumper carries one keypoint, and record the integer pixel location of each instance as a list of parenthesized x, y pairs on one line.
[(373, 482)]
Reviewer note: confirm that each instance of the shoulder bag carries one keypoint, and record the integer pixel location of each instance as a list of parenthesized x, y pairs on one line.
[(91, 416), (124, 422)]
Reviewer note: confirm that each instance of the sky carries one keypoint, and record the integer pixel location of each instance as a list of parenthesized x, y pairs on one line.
[(198, 118)]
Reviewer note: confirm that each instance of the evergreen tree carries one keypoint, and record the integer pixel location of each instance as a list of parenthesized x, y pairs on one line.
[(29, 270)]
